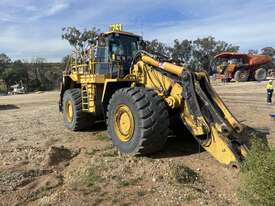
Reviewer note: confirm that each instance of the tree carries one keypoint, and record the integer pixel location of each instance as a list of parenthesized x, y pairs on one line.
[(13, 75), (270, 51), (35, 75), (38, 69), (80, 40), (65, 60), (252, 51), (203, 53), (204, 50), (156, 46), (22, 69), (4, 62), (4, 59), (182, 50)]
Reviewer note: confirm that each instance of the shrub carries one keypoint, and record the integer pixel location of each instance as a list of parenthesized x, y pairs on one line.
[(257, 185)]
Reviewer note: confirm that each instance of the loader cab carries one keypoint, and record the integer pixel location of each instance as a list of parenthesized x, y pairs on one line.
[(115, 51)]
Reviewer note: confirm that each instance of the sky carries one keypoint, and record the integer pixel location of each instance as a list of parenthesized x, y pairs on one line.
[(32, 28)]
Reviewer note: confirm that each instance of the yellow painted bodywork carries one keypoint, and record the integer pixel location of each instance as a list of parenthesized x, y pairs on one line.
[(88, 78), (89, 83), (171, 68), (218, 147)]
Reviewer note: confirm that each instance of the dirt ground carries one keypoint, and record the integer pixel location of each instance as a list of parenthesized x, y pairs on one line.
[(42, 163)]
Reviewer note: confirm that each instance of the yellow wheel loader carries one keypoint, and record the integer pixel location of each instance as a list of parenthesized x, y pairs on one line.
[(141, 96)]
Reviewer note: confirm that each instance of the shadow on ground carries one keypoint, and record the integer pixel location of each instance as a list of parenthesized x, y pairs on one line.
[(8, 107), (180, 145), (96, 127), (185, 144), (255, 133)]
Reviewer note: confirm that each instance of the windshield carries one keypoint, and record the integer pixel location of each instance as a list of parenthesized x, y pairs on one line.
[(124, 46)]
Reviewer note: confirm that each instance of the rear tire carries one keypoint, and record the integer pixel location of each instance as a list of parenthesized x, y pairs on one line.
[(74, 118), (149, 117), (260, 74), (241, 76)]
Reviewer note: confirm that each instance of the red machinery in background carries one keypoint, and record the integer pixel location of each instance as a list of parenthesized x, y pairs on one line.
[(242, 67)]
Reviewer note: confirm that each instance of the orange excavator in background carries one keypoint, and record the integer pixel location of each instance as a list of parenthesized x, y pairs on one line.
[(241, 67)]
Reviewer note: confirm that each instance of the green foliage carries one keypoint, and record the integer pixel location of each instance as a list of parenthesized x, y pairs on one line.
[(257, 186), (253, 51), (4, 59), (80, 40), (156, 46), (36, 75), (182, 50), (204, 50), (123, 183), (199, 54), (2, 87), (270, 51), (65, 61)]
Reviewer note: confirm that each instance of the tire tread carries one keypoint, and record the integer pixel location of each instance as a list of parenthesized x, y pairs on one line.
[(153, 118)]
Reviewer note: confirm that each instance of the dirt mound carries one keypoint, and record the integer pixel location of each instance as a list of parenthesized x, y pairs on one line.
[(104, 177), (184, 174), (56, 155)]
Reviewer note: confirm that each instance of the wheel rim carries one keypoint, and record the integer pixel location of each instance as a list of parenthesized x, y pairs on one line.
[(124, 123), (69, 110)]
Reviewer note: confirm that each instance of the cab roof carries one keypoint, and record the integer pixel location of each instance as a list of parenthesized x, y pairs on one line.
[(120, 32)]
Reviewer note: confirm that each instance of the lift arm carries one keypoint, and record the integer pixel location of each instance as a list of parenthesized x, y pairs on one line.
[(201, 109)]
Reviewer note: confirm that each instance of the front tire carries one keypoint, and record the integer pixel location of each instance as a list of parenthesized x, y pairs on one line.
[(260, 74), (137, 121), (74, 118)]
